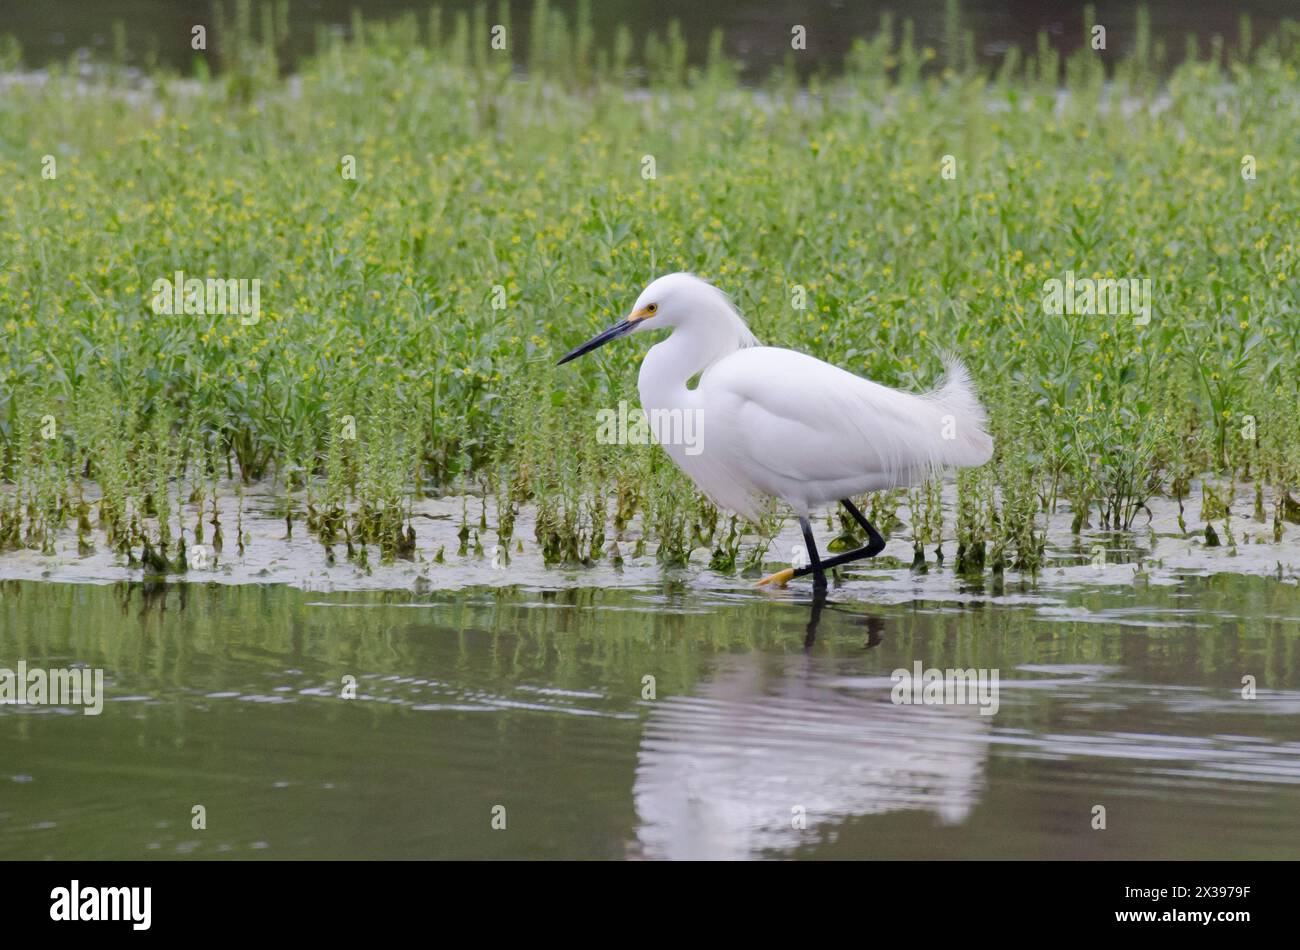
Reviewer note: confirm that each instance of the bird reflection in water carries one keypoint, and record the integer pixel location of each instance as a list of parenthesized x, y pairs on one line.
[(775, 753), (875, 625)]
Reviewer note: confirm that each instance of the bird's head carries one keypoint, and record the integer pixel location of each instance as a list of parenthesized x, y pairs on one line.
[(673, 300)]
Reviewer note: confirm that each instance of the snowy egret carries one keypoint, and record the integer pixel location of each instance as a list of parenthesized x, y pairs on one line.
[(778, 423)]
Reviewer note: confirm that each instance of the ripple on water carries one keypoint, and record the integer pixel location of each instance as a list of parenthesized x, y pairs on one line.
[(719, 771)]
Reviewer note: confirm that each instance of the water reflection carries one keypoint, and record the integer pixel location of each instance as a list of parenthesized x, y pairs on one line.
[(770, 712), (874, 625), (770, 755)]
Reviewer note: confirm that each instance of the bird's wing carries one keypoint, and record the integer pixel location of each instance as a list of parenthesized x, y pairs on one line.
[(788, 418)]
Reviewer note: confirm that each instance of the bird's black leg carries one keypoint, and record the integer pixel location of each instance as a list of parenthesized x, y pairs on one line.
[(875, 544), (814, 560)]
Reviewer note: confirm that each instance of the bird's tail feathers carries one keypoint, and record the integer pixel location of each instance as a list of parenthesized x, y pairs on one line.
[(965, 441)]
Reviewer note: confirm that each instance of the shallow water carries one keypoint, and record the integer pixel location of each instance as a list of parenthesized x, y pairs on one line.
[(1157, 551), (766, 707)]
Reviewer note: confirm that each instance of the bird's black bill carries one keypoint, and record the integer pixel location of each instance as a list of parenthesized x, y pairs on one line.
[(601, 339)]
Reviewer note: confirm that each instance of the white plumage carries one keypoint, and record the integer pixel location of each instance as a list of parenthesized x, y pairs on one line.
[(775, 422)]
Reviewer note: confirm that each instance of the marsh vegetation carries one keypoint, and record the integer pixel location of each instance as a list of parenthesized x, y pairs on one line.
[(412, 311)]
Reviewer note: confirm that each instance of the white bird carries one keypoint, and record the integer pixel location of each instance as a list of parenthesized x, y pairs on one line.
[(772, 422)]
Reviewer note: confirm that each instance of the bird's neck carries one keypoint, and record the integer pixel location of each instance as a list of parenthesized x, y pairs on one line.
[(688, 351)]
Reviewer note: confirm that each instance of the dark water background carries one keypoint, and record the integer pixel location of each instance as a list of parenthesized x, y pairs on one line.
[(757, 33)]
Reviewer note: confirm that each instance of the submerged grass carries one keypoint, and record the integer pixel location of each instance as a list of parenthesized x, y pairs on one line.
[(411, 315)]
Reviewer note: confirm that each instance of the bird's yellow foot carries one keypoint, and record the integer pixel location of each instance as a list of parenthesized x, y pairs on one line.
[(779, 579)]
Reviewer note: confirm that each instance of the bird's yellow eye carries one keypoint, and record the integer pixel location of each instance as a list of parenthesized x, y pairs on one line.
[(652, 308)]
